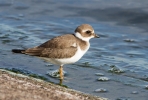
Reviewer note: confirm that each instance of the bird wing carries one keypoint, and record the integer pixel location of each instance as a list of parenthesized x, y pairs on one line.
[(64, 41), (59, 47), (59, 53)]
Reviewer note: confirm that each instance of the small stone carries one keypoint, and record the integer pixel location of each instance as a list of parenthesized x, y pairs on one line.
[(115, 69), (146, 87), (101, 90), (99, 74), (103, 79)]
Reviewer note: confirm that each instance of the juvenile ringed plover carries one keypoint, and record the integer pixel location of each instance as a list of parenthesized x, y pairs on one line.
[(64, 49)]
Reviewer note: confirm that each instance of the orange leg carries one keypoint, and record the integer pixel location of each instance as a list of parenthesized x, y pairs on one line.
[(61, 72)]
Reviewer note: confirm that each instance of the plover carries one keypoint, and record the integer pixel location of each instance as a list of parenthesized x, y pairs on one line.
[(64, 49)]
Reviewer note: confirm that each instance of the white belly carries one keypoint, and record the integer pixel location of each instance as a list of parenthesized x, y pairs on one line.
[(71, 60)]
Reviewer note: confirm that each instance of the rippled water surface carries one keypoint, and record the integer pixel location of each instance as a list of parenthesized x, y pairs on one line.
[(119, 55)]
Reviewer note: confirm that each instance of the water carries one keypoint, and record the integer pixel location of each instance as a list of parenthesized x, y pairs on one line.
[(123, 42)]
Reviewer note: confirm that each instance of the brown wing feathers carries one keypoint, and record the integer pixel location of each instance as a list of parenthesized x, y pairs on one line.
[(60, 42), (53, 48), (59, 53)]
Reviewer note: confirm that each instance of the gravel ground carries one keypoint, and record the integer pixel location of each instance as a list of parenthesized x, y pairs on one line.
[(19, 87)]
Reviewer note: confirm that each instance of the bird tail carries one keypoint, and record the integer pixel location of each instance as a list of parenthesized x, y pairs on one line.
[(18, 51)]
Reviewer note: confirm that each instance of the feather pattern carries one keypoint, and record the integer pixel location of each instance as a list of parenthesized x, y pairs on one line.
[(65, 48)]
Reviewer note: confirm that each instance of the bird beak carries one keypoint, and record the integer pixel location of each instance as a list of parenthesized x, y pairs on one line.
[(96, 36)]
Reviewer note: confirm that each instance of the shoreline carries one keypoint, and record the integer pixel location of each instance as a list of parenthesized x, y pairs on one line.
[(17, 86)]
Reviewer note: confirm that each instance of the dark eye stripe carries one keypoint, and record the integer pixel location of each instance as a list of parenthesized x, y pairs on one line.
[(88, 32)]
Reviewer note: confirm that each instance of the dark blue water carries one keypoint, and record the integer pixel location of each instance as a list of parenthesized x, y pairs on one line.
[(121, 52)]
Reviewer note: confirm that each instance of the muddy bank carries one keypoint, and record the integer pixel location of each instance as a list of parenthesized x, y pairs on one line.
[(16, 86)]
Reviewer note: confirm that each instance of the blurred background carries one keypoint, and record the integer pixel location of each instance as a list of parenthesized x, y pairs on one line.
[(116, 65)]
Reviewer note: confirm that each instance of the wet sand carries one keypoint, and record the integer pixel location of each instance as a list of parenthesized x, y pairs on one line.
[(19, 87)]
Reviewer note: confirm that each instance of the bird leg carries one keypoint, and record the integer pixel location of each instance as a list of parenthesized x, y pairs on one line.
[(61, 73)]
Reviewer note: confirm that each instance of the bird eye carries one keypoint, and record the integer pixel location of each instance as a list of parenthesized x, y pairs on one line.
[(88, 32)]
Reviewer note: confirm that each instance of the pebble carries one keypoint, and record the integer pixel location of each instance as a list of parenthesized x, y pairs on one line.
[(146, 87), (103, 79), (101, 90), (116, 70)]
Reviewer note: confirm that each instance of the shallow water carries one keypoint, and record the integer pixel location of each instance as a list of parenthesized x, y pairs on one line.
[(123, 42)]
